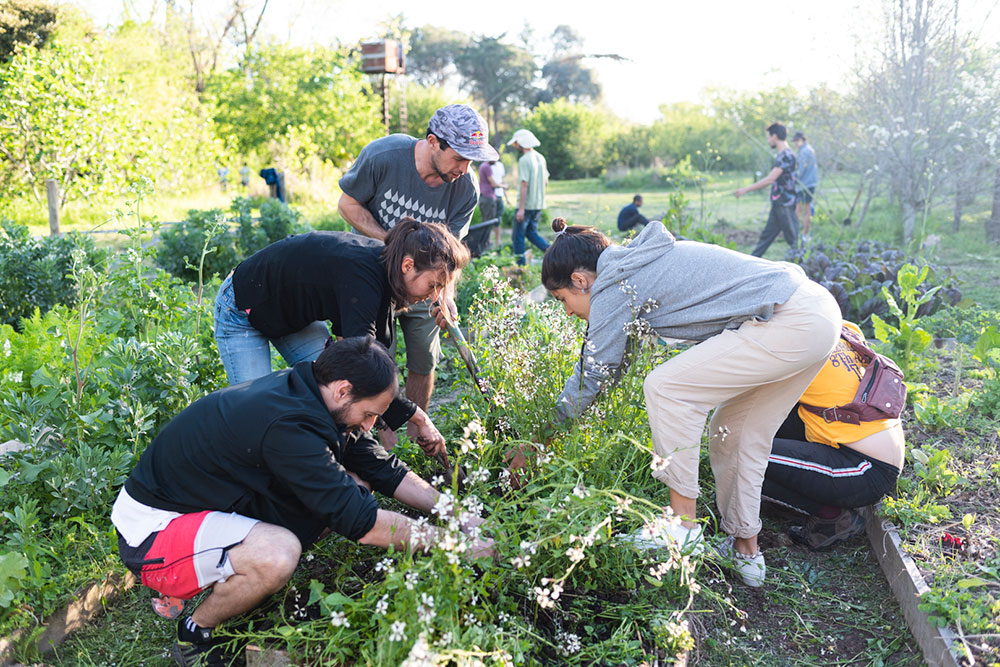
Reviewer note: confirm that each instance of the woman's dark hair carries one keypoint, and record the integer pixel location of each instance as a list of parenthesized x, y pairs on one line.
[(362, 362), (431, 246), (576, 248)]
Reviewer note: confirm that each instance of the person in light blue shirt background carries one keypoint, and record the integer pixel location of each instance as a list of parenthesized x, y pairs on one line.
[(806, 180)]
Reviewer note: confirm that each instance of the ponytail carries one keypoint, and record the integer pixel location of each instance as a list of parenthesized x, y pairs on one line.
[(429, 244), (576, 248)]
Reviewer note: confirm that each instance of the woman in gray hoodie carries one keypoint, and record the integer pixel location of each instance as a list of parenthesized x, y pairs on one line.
[(763, 331)]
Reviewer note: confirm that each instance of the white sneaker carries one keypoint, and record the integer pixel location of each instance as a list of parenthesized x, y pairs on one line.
[(688, 540), (751, 569)]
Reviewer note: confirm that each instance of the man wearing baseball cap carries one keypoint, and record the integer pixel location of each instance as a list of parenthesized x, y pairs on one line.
[(428, 179), (533, 176)]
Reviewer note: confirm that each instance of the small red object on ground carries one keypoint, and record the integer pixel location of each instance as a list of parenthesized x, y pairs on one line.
[(953, 543), (168, 606)]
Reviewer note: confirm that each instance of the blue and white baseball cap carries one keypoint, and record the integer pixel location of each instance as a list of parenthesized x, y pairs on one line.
[(465, 131)]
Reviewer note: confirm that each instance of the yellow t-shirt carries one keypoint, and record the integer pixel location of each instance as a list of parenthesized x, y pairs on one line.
[(836, 384)]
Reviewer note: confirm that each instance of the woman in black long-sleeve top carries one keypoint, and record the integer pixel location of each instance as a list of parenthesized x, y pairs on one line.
[(282, 294)]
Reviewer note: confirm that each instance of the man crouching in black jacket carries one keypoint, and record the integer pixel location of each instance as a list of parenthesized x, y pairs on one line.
[(232, 489)]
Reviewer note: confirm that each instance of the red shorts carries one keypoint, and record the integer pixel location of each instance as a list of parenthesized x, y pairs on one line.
[(190, 554)]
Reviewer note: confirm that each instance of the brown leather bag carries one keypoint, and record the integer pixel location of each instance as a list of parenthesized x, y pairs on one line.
[(881, 394)]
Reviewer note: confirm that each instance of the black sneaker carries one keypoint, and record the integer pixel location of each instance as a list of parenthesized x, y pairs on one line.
[(191, 654), (821, 534)]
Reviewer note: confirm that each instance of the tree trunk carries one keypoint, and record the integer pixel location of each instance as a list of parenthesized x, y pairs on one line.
[(909, 219), (872, 188), (956, 222), (993, 224)]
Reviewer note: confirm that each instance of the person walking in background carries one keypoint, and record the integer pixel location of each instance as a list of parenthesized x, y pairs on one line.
[(223, 173), (500, 189), (245, 175), (629, 216), (487, 192), (782, 219), (427, 179), (806, 180), (533, 175)]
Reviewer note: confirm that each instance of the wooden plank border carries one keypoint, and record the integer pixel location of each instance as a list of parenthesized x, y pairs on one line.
[(86, 605), (907, 584)]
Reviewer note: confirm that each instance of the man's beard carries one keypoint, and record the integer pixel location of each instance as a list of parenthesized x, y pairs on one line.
[(444, 177), (340, 417)]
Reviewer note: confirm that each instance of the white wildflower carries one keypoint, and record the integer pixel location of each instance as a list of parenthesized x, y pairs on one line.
[(397, 631), (338, 619), (385, 565), (382, 606), (569, 643), (420, 654), (659, 463)]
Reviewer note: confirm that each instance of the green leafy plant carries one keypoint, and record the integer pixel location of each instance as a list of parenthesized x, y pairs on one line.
[(906, 340), (935, 413), (183, 244), (36, 270), (916, 510), (933, 471)]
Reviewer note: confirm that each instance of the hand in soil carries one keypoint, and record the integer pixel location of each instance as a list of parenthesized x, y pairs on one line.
[(427, 436), (517, 462)]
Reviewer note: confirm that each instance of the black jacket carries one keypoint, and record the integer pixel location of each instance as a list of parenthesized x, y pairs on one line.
[(331, 276), (267, 449)]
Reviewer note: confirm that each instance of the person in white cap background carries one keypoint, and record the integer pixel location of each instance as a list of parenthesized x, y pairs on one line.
[(533, 176), (427, 179)]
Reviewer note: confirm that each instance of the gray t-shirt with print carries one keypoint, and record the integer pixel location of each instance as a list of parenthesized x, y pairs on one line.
[(384, 179)]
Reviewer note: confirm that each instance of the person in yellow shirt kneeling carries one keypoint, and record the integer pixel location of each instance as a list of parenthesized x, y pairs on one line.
[(826, 468)]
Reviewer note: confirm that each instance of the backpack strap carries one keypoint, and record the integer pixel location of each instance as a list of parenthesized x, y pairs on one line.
[(841, 413)]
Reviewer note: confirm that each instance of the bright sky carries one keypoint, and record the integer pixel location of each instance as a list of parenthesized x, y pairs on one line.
[(676, 48)]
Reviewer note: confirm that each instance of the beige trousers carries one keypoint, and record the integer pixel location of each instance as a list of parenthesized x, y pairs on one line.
[(752, 376)]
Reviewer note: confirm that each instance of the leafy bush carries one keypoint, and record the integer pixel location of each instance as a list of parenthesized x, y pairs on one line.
[(35, 270), (682, 224), (330, 222), (964, 322), (183, 245), (856, 273), (679, 175), (207, 234), (86, 387)]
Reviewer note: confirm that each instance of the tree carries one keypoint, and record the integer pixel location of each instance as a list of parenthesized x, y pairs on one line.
[(909, 99), (62, 118), (421, 103), (25, 22), (573, 137), (433, 50), (318, 91), (499, 74), (564, 74), (238, 23)]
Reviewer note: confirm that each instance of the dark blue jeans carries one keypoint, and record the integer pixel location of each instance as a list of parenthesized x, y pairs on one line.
[(782, 220), (527, 228)]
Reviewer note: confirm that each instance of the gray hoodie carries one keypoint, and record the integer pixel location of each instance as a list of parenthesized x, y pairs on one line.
[(681, 289)]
